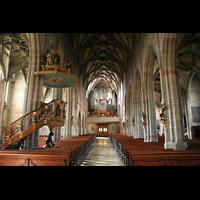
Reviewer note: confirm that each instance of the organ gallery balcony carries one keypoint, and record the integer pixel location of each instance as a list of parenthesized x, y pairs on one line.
[(102, 113), (102, 119)]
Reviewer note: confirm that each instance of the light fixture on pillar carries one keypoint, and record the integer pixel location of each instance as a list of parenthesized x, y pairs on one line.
[(133, 121), (162, 115), (143, 119)]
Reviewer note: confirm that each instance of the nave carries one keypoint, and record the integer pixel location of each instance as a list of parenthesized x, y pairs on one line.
[(136, 85), (102, 153)]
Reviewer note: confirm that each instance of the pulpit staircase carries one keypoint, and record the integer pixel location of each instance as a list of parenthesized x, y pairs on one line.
[(51, 114)]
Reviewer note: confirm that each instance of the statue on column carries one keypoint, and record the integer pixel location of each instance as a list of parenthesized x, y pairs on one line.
[(133, 121), (162, 115), (143, 119), (162, 109)]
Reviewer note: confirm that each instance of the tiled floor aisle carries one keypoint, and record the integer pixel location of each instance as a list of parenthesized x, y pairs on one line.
[(102, 153)]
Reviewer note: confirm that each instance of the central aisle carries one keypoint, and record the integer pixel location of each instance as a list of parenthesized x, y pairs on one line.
[(102, 153)]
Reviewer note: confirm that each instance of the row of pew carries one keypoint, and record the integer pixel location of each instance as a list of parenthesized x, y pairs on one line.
[(68, 152), (136, 152)]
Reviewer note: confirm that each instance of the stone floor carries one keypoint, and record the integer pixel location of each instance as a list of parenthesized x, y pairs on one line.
[(102, 153)]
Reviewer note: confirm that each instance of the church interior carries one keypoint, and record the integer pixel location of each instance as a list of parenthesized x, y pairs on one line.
[(132, 97)]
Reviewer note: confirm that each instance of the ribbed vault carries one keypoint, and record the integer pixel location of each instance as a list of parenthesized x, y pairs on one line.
[(15, 47), (103, 57), (188, 50)]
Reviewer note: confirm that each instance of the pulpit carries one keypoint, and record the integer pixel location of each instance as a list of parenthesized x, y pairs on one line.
[(53, 71)]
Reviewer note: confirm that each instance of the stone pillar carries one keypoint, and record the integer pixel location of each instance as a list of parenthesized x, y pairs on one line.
[(57, 94), (33, 92), (149, 99), (65, 135), (98, 105), (74, 110), (92, 100), (4, 67), (70, 114), (2, 97), (174, 132)]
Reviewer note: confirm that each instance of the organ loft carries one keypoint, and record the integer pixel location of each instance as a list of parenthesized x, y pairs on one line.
[(99, 99), (102, 101)]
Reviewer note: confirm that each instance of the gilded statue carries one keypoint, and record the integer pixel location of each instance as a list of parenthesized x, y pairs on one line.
[(49, 56), (162, 109)]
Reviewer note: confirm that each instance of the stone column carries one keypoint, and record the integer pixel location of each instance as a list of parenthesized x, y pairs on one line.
[(70, 114), (149, 98), (74, 110), (4, 67), (2, 97), (65, 135), (57, 94), (33, 92), (174, 132), (98, 105)]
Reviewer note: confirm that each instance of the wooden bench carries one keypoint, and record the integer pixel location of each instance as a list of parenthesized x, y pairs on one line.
[(136, 152), (65, 153), (33, 159), (166, 160)]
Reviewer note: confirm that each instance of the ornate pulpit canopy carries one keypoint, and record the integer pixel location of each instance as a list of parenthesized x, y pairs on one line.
[(54, 72)]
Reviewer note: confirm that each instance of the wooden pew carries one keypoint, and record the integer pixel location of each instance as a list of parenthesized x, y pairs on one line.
[(65, 153), (166, 160), (136, 152), (33, 159)]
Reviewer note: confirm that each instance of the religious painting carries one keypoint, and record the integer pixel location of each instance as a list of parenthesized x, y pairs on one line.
[(196, 114)]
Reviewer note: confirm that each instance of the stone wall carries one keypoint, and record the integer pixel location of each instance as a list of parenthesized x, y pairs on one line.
[(15, 99), (193, 100)]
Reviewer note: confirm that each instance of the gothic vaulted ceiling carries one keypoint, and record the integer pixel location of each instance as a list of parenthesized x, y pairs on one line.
[(188, 58), (103, 57), (14, 46)]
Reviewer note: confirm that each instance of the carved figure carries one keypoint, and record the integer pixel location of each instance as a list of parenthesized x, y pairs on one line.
[(162, 109), (58, 110), (142, 116), (72, 68), (56, 59), (68, 64), (49, 55), (62, 61), (133, 120), (44, 59), (48, 140)]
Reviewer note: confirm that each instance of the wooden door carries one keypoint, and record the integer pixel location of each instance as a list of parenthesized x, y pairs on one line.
[(102, 130)]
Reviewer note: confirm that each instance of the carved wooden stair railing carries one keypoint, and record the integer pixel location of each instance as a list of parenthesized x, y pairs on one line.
[(52, 114)]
